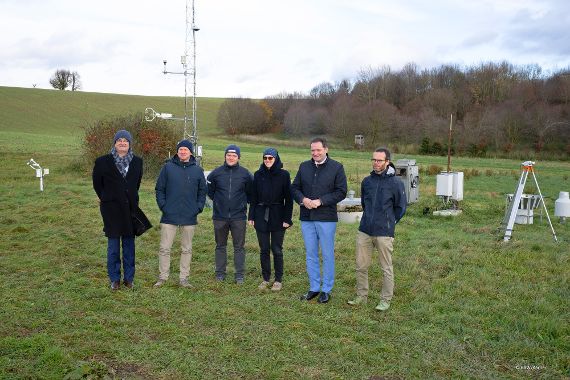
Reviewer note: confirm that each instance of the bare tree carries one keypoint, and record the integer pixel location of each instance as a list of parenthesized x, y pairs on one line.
[(241, 115), (75, 81), (60, 79)]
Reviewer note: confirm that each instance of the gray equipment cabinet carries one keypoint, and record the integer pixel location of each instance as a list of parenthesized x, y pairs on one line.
[(407, 171)]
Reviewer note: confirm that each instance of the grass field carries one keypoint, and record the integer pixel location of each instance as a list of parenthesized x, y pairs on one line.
[(466, 304)]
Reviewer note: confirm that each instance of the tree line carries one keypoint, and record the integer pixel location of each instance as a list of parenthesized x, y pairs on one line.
[(496, 106)]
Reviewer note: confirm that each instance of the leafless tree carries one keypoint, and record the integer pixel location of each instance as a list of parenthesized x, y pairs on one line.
[(75, 81), (241, 115)]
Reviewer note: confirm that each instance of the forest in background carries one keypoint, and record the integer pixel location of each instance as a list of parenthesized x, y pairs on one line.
[(497, 107)]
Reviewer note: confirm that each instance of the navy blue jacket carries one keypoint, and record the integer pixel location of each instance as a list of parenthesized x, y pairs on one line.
[(383, 201), (326, 182), (229, 187), (180, 192), (271, 203)]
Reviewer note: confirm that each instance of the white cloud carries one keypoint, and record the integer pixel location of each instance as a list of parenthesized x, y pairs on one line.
[(262, 47)]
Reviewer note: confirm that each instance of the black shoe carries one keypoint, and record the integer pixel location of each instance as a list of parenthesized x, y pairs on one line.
[(324, 297), (309, 295), (115, 285), (128, 284)]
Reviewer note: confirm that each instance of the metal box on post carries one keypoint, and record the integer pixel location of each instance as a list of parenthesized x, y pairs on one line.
[(407, 171)]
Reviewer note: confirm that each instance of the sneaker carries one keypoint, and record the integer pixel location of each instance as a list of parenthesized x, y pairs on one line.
[(264, 285), (239, 281), (159, 283), (277, 286), (185, 284), (359, 300), (383, 305), (220, 278)]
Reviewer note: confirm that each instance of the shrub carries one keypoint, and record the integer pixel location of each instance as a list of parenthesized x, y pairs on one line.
[(434, 169), (153, 141)]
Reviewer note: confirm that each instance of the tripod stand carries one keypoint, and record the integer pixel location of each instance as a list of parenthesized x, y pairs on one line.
[(510, 215)]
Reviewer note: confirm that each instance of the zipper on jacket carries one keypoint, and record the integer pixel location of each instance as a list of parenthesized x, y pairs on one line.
[(230, 194)]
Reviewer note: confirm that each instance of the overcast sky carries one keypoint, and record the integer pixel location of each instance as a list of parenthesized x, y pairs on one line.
[(255, 48)]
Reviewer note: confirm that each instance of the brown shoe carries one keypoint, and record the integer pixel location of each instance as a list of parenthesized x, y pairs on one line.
[(115, 285), (128, 284)]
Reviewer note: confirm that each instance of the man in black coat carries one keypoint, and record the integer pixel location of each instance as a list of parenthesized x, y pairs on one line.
[(270, 213), (180, 195), (116, 180), (319, 185), (229, 187)]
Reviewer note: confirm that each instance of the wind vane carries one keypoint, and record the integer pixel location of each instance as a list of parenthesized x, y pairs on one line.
[(189, 70)]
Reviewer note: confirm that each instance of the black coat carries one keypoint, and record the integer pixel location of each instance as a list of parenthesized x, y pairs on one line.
[(271, 202), (117, 194), (326, 182), (229, 187)]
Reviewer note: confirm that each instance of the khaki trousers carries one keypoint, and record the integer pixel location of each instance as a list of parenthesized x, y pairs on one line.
[(167, 235), (365, 245)]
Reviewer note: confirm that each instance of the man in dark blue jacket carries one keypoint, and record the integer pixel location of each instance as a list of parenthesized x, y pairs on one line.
[(229, 187), (384, 204), (180, 195), (318, 186)]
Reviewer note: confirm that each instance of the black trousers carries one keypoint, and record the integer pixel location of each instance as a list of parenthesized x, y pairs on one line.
[(271, 240)]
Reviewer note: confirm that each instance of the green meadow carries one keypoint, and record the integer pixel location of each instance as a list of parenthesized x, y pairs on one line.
[(466, 305)]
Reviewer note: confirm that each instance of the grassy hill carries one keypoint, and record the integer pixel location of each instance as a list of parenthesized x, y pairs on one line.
[(54, 112), (466, 304)]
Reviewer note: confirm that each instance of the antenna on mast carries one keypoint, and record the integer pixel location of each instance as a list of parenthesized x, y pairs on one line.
[(189, 52)]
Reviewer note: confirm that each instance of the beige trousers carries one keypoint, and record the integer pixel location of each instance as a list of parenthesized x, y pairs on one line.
[(365, 245), (167, 235)]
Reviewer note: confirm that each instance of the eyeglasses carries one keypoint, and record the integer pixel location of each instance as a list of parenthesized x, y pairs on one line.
[(268, 158), (377, 161)]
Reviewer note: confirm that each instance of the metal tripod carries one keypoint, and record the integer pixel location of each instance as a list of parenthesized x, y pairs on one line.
[(510, 215)]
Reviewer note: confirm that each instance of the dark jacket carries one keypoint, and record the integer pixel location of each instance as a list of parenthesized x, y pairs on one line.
[(229, 187), (383, 201), (326, 182), (271, 203), (118, 195), (180, 192)]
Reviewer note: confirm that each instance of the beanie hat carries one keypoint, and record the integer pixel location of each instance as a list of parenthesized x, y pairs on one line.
[(233, 149), (186, 144), (123, 134), (270, 152)]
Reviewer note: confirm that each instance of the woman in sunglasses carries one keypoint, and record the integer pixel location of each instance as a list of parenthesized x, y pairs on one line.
[(270, 213)]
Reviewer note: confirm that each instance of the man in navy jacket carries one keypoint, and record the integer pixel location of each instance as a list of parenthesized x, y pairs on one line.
[(318, 186), (180, 195), (229, 187), (384, 204)]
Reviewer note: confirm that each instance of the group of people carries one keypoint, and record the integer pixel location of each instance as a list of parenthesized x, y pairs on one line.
[(181, 189)]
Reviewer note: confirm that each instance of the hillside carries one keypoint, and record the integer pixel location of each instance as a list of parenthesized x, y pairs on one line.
[(54, 112)]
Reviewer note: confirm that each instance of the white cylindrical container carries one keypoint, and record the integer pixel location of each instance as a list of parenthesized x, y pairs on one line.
[(562, 205)]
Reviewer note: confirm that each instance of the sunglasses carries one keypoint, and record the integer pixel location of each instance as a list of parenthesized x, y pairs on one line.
[(268, 158)]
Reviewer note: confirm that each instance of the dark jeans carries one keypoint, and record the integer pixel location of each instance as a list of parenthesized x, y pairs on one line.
[(114, 258), (273, 240), (221, 230)]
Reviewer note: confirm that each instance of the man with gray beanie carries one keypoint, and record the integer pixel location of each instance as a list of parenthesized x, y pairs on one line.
[(229, 187), (180, 195)]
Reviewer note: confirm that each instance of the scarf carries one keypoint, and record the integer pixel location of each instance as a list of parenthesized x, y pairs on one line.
[(122, 163)]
